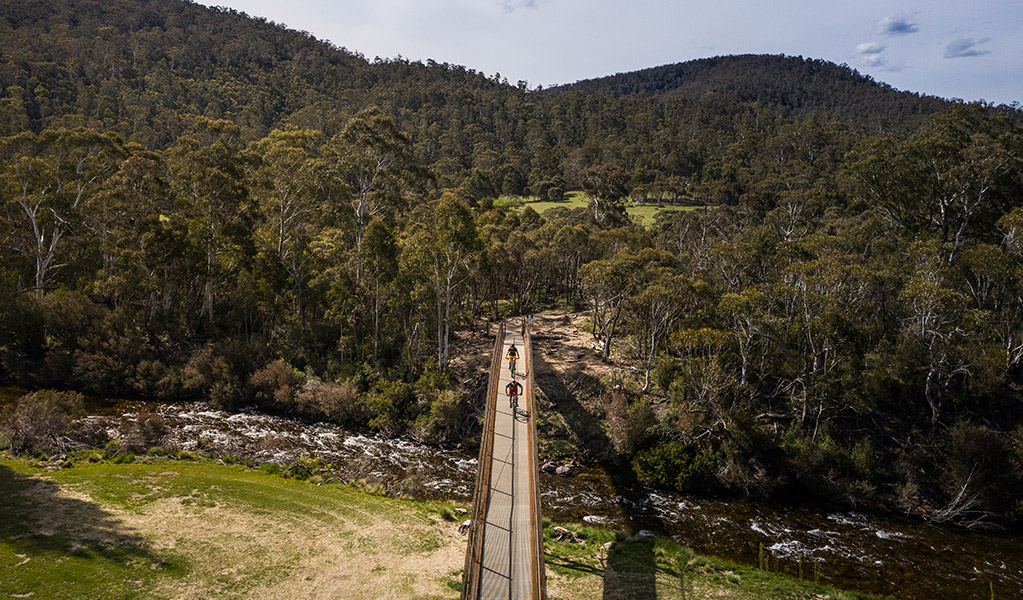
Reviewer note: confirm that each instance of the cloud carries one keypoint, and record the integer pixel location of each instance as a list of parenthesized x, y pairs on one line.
[(870, 48), (896, 26), (964, 47), (870, 54), (513, 5)]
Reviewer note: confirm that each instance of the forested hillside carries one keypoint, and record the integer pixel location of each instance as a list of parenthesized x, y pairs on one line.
[(196, 204), (145, 69), (800, 88)]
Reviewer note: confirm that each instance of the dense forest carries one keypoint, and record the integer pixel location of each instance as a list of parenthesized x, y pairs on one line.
[(196, 204)]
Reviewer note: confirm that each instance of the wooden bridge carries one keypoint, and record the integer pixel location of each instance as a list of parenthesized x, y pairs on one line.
[(504, 558)]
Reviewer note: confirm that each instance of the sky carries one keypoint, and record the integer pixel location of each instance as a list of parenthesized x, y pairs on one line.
[(968, 49)]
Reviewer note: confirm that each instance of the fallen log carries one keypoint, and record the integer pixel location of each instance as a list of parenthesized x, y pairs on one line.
[(775, 417)]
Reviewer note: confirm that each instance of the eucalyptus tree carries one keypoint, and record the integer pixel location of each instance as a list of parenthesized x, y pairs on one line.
[(208, 175), (935, 326), (607, 187), (380, 245), (292, 205), (953, 178), (610, 283), (1011, 227), (48, 179), (373, 159), (138, 190), (656, 308), (441, 248)]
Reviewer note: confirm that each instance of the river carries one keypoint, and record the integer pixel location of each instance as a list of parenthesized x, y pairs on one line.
[(878, 554)]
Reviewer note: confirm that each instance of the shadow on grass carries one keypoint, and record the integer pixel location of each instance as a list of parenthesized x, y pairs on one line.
[(631, 569), (36, 520), (568, 564)]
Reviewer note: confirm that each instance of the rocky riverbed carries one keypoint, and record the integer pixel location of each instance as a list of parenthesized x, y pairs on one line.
[(884, 555)]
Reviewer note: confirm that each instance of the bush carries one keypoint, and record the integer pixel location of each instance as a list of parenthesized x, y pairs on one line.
[(394, 407), (629, 426), (673, 465), (272, 468), (148, 430), (275, 384), (666, 372), (221, 373), (337, 403), (112, 449), (123, 459), (977, 474), (40, 422), (93, 456), (306, 467), (447, 413), (753, 460)]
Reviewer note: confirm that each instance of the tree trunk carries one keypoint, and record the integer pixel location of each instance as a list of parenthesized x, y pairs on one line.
[(207, 299), (931, 394)]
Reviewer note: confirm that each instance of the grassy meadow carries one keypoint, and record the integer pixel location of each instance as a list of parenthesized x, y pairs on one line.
[(180, 529), (644, 212)]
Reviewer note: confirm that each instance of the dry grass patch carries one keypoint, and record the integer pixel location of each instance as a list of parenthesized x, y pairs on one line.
[(209, 531), (204, 530)]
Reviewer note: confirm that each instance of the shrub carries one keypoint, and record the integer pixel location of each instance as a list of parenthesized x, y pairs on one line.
[(447, 413), (306, 467), (753, 460), (92, 456), (977, 474), (41, 422), (112, 449), (153, 379), (272, 468), (394, 406), (122, 459), (673, 465), (91, 434), (220, 373), (148, 430), (338, 403), (275, 384), (666, 372), (629, 426)]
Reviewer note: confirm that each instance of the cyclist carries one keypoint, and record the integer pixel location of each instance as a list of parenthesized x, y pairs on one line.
[(513, 355), (514, 388)]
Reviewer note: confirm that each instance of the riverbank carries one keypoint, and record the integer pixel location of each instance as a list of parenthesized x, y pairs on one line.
[(160, 528), (853, 550)]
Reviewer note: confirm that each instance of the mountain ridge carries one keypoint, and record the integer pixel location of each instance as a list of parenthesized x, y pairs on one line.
[(222, 43), (755, 78)]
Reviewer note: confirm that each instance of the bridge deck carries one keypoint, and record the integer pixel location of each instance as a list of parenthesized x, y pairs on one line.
[(507, 560), (504, 559)]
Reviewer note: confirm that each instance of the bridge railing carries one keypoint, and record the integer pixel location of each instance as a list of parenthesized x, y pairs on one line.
[(474, 551), (539, 572)]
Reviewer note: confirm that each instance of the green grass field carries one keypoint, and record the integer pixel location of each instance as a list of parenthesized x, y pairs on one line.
[(199, 529), (644, 212)]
